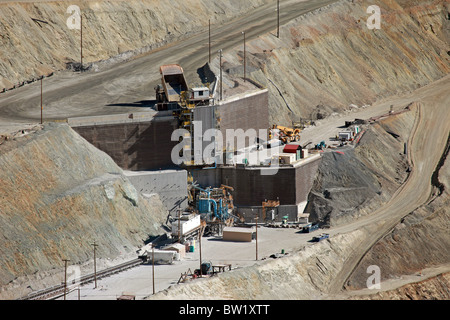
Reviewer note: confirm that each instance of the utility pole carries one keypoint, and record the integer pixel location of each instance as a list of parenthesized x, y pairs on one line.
[(153, 267), (81, 40), (95, 265), (278, 18), (244, 56), (41, 99), (200, 245), (220, 68), (179, 225), (65, 277), (209, 24), (256, 239)]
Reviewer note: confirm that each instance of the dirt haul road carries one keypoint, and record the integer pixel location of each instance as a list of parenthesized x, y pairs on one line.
[(301, 277), (117, 89), (432, 122), (425, 147)]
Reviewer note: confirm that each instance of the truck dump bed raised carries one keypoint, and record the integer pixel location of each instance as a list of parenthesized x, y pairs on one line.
[(173, 81)]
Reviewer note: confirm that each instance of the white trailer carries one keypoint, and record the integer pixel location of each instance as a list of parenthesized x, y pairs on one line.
[(159, 256), (345, 135), (186, 225)]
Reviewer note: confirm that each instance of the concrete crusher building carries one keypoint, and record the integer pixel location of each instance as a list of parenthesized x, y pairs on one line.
[(290, 186), (143, 142)]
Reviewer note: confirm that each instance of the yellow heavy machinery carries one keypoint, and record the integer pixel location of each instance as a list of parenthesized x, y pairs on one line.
[(285, 134)]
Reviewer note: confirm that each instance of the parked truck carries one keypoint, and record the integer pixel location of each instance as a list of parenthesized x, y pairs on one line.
[(173, 84), (323, 236), (310, 227)]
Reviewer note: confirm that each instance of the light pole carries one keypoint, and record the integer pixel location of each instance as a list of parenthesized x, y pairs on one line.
[(179, 225), (95, 265), (244, 56), (41, 98), (209, 37), (200, 245), (256, 238), (65, 277), (220, 68), (81, 41), (153, 267), (278, 18)]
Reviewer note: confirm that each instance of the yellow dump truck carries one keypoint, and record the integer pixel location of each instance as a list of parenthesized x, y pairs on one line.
[(285, 134)]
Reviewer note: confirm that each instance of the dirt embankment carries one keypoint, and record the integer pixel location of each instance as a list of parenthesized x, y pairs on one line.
[(353, 182), (59, 194), (110, 28), (419, 241), (306, 274), (358, 67), (328, 59), (434, 288)]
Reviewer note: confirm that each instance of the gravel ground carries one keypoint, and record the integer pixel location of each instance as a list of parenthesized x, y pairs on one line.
[(138, 281)]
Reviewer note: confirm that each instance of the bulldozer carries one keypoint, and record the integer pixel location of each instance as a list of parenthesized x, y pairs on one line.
[(285, 134)]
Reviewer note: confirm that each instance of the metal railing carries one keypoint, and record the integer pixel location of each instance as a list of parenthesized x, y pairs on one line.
[(58, 290)]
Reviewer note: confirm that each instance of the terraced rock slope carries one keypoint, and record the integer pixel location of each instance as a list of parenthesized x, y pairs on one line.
[(59, 194)]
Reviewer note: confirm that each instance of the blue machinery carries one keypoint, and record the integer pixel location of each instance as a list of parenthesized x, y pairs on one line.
[(214, 203)]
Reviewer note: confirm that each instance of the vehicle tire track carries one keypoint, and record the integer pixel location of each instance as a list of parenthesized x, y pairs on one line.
[(400, 204)]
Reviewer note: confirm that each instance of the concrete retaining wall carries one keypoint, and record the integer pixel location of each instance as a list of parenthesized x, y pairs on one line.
[(171, 185), (248, 111), (291, 185), (143, 141), (134, 145)]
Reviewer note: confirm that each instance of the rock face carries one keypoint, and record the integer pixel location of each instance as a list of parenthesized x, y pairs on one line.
[(306, 274), (328, 59), (419, 241), (353, 182), (110, 28), (58, 194)]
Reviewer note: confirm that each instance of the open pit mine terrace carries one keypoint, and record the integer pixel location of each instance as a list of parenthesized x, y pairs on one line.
[(298, 214)]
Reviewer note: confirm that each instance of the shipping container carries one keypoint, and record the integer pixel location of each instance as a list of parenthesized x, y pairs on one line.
[(186, 226)]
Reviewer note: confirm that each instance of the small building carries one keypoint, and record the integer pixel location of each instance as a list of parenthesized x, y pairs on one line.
[(237, 234), (199, 96), (300, 153), (201, 93), (291, 148), (177, 247), (287, 158), (345, 135), (304, 153), (303, 217), (349, 134)]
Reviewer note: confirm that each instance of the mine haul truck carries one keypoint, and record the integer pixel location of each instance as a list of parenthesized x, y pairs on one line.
[(173, 84), (286, 134)]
